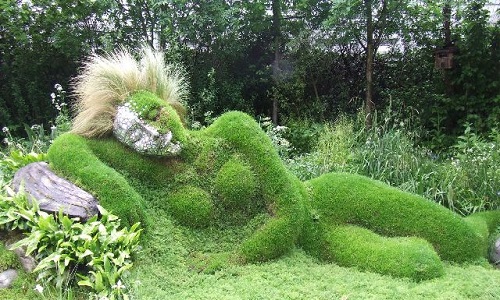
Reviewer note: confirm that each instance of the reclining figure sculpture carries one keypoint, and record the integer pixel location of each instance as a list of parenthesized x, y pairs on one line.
[(129, 138)]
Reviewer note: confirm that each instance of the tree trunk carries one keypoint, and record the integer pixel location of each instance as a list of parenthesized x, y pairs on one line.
[(276, 7), (447, 43), (370, 53)]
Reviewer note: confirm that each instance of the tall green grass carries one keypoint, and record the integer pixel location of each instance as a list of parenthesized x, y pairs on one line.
[(465, 178)]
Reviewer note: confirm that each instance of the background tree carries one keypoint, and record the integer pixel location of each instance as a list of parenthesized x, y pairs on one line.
[(369, 23)]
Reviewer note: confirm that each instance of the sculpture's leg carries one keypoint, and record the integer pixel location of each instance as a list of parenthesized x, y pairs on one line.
[(354, 246), (353, 199), (71, 157)]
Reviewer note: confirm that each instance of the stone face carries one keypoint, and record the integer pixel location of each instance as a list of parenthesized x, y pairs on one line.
[(53, 192), (7, 278), (134, 132)]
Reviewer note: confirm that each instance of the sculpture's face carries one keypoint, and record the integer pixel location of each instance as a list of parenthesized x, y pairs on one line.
[(149, 125)]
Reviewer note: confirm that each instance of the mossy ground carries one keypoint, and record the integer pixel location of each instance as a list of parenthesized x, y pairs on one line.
[(168, 268)]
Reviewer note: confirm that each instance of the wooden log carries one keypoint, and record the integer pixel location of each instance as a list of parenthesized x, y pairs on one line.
[(54, 193)]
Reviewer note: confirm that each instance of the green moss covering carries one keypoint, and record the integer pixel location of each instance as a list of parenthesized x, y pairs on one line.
[(191, 206), (159, 114), (283, 193), (8, 259), (146, 104), (236, 185), (354, 199), (353, 246), (71, 156), (231, 171)]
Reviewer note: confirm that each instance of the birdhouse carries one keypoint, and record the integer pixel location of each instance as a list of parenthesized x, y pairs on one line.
[(443, 57)]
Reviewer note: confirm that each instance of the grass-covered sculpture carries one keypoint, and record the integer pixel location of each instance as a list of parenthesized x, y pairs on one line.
[(129, 142)]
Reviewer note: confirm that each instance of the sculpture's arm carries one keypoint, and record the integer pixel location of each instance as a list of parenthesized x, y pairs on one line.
[(283, 193), (71, 156)]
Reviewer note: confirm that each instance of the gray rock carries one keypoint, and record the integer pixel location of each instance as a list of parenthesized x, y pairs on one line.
[(495, 252), (53, 192), (134, 132), (28, 262), (7, 278)]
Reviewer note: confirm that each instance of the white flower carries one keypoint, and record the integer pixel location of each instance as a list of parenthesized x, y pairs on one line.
[(280, 128), (53, 95), (58, 87), (118, 285), (39, 288), (5, 129)]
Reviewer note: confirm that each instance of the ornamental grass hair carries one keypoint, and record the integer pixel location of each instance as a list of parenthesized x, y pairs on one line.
[(107, 81)]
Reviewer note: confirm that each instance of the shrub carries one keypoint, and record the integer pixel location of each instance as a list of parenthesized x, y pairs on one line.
[(191, 206)]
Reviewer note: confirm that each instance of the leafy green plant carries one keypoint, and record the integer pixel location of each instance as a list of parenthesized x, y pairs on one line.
[(97, 253), (16, 212)]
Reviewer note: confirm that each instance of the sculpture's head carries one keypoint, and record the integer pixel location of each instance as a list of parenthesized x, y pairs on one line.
[(139, 101), (149, 125)]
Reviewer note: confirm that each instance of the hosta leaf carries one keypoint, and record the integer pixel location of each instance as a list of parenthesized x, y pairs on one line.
[(85, 283), (99, 286)]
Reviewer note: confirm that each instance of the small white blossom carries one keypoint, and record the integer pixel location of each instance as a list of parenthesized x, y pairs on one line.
[(5, 129), (58, 87), (118, 285), (280, 128), (39, 288), (53, 95)]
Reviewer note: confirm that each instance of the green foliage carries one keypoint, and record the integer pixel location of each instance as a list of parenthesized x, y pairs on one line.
[(98, 252), (302, 135), (236, 185), (475, 81), (17, 212), (17, 159), (191, 206), (465, 179), (277, 136)]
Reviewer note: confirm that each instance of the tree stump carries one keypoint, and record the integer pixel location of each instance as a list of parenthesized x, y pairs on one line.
[(54, 193)]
